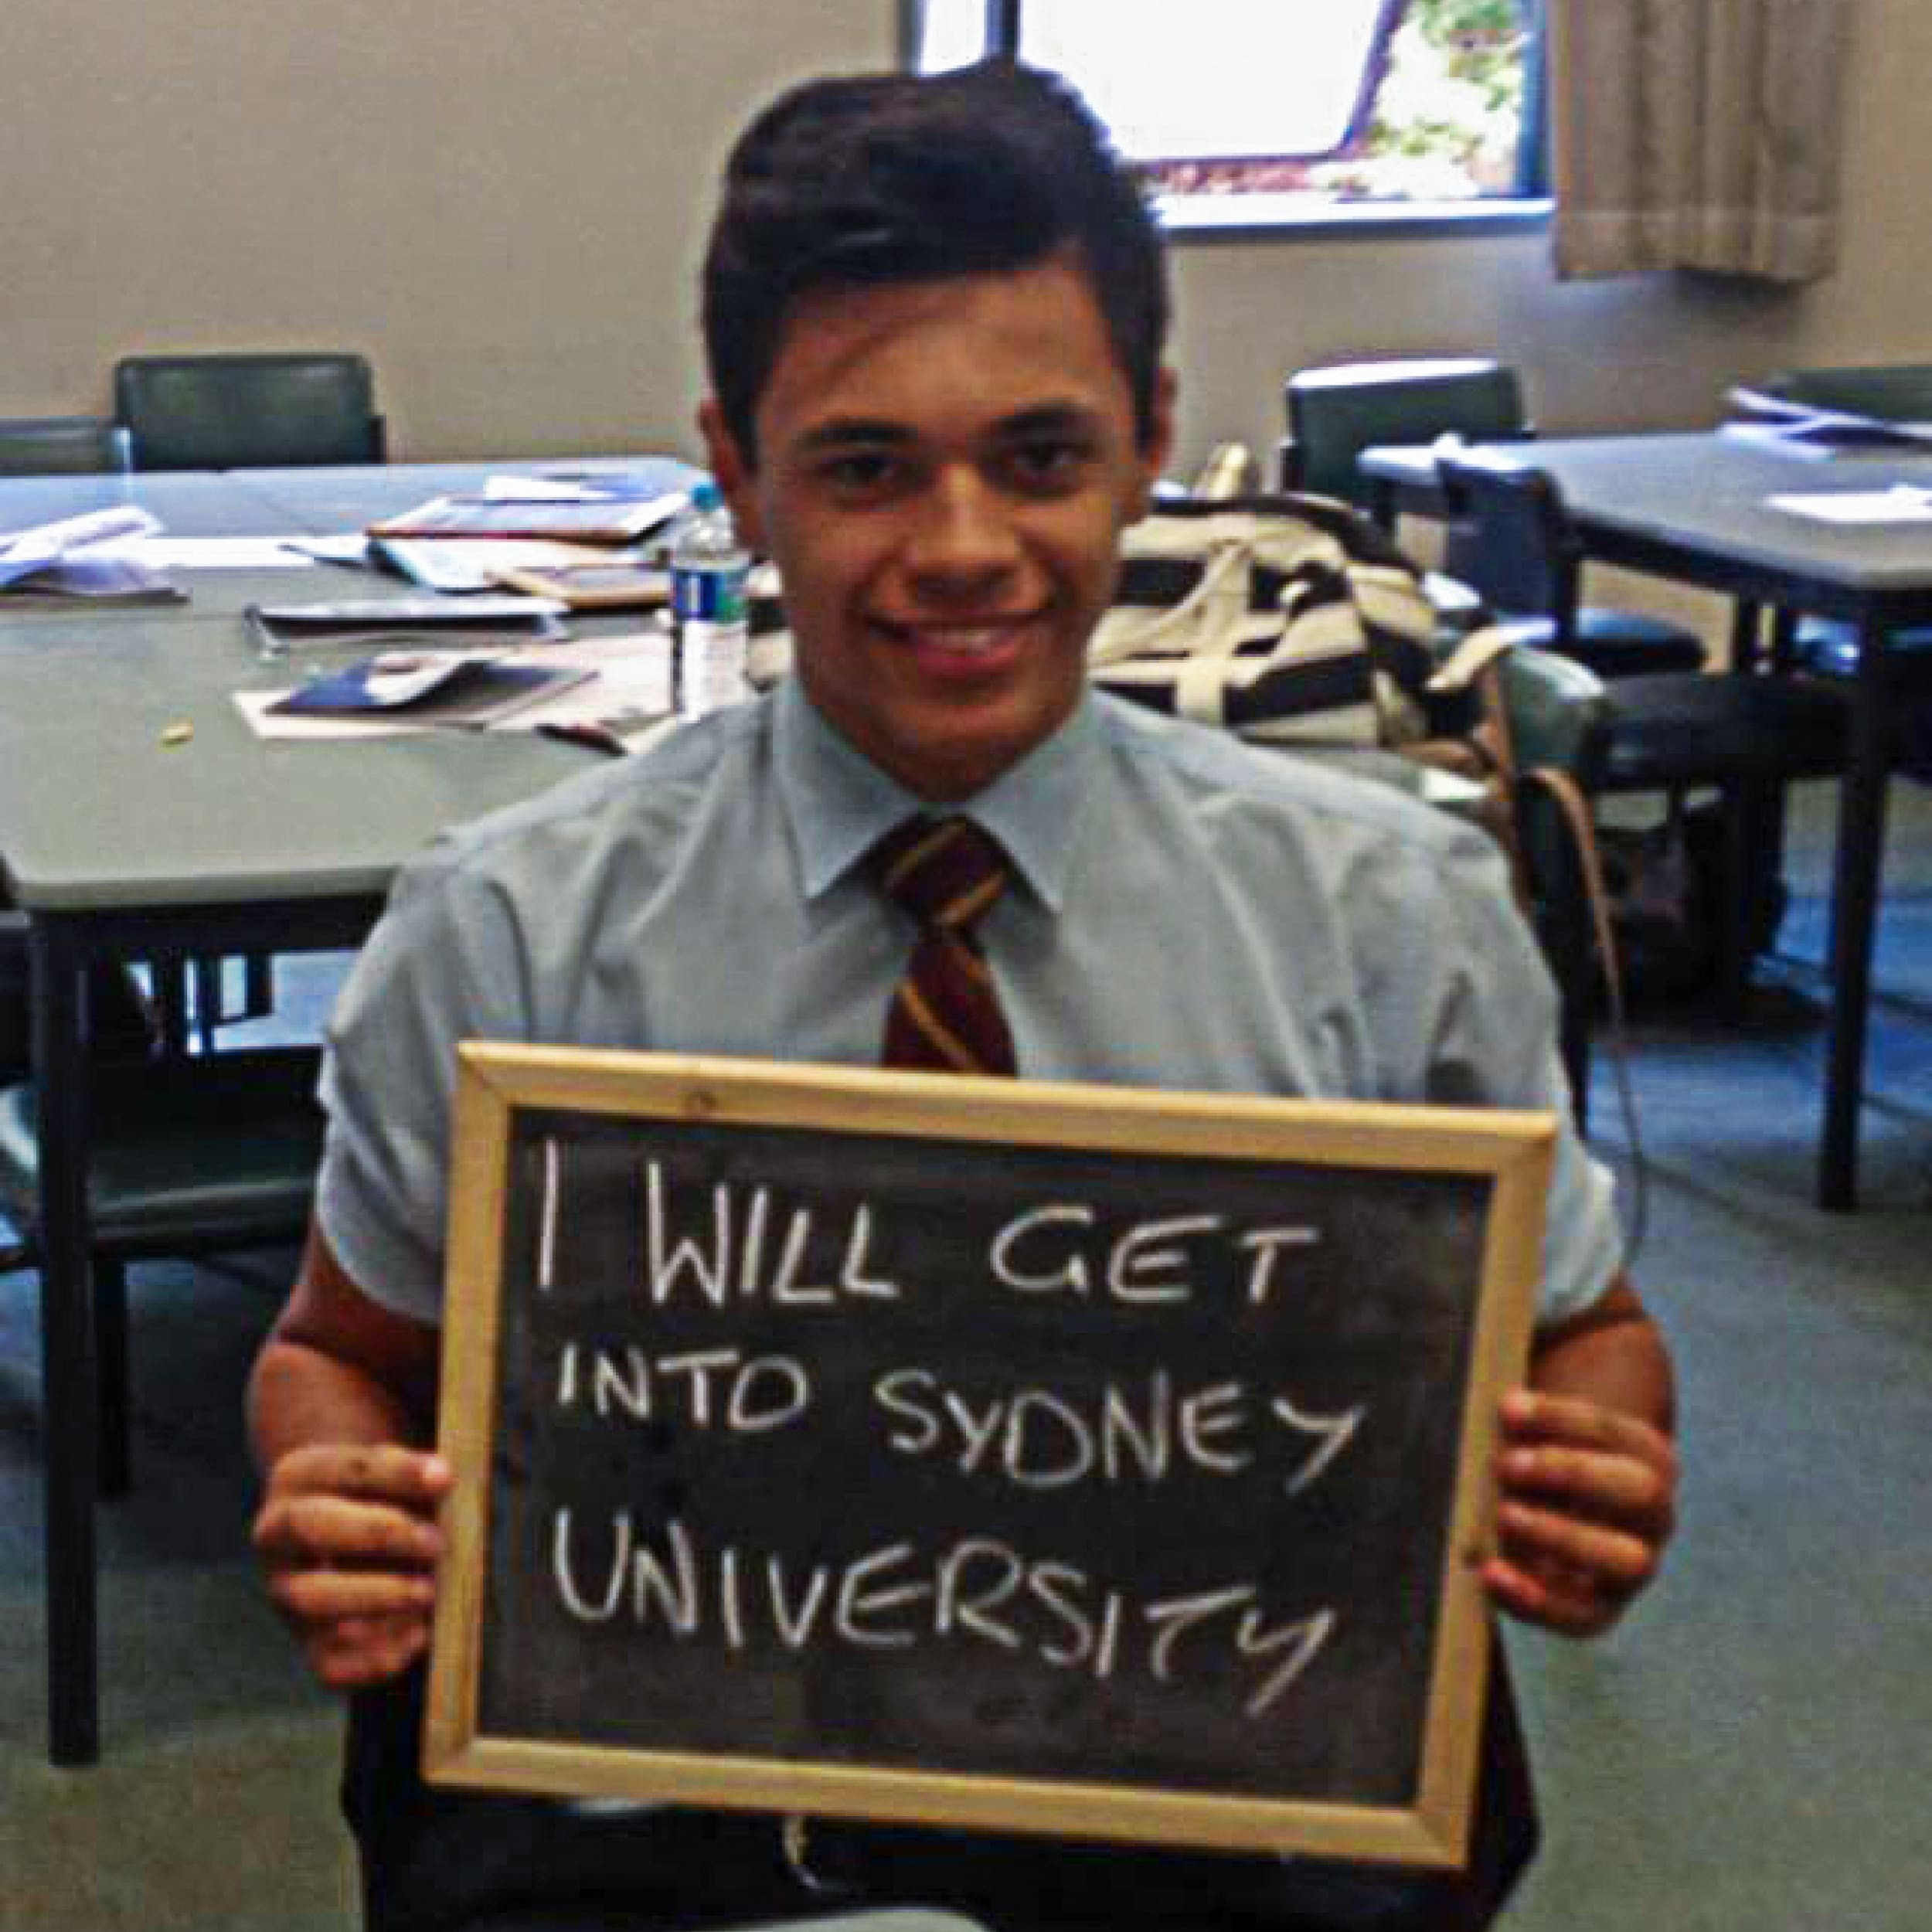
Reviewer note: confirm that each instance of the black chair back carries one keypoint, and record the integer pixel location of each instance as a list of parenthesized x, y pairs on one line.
[(62, 446), (1896, 392), (248, 411), (1509, 537)]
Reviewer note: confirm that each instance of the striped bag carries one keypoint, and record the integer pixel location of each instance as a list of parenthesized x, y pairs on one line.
[(1286, 618)]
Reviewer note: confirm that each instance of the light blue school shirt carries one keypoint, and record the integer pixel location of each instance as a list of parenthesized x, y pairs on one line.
[(1187, 912)]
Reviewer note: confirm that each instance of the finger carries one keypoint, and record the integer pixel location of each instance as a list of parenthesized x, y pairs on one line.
[(317, 1597), (351, 1655), (1573, 1552), (1614, 1487), (1559, 1603), (379, 1472), (1529, 1418), (323, 1529)]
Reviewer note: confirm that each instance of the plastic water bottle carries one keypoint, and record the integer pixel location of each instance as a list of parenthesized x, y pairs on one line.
[(709, 573)]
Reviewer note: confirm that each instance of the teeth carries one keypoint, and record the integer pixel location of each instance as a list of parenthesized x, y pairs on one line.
[(974, 640)]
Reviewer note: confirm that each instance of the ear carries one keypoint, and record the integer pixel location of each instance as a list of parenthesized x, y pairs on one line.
[(735, 477), (1157, 445)]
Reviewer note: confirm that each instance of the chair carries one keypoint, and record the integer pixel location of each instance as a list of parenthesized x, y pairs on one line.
[(1896, 392), (1510, 539), (1746, 736), (1337, 411), (188, 1156), (1554, 710), (234, 412), (63, 446)]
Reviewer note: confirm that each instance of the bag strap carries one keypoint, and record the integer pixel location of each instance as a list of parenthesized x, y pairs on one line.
[(1574, 810)]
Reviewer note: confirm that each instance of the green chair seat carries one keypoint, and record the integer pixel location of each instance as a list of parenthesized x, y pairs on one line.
[(187, 1153)]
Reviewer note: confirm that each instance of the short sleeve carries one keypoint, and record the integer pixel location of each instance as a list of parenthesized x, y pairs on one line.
[(443, 965), (1492, 1012)]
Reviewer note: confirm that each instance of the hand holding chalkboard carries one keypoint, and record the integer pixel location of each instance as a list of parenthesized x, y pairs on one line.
[(1058, 1459)]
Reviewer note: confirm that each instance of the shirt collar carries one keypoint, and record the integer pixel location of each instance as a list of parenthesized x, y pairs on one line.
[(839, 803)]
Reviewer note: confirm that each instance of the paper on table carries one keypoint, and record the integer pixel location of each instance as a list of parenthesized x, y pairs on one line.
[(579, 486), (253, 706), (210, 552), (1903, 503), (630, 689), (459, 564), (22, 552)]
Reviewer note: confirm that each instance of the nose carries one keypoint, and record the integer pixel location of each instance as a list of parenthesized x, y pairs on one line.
[(964, 537)]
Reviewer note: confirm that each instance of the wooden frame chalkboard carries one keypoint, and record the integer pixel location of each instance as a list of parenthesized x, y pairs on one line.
[(1050, 1458)]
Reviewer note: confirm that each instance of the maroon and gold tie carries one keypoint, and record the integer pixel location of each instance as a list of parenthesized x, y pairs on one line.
[(945, 1015)]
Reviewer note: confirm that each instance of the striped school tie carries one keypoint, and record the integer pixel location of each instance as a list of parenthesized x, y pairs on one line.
[(945, 1015)]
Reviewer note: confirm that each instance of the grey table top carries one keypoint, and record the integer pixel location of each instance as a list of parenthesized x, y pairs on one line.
[(1706, 493), (105, 802)]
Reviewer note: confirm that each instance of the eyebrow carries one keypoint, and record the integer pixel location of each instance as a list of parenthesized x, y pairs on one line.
[(858, 431), (843, 432), (1051, 419)]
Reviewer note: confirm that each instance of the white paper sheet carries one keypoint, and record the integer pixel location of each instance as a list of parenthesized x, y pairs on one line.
[(1903, 503), (22, 552), (210, 553)]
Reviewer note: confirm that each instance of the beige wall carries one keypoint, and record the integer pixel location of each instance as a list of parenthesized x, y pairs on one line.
[(501, 201), (502, 204)]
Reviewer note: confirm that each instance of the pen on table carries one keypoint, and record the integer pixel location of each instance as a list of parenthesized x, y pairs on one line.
[(321, 551), (591, 736), (266, 643)]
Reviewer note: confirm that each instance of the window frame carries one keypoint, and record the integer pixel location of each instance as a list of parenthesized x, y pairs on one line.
[(1237, 217)]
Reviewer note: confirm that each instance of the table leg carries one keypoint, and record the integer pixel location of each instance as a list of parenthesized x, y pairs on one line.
[(1747, 635), (69, 1387), (1861, 845)]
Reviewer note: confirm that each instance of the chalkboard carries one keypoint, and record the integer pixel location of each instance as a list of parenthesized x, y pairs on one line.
[(1049, 1459)]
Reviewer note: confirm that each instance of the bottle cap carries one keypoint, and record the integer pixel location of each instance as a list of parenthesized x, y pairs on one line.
[(704, 496)]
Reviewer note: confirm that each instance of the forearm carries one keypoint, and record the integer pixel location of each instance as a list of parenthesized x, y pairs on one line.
[(338, 1369), (1612, 1355), (299, 1395)]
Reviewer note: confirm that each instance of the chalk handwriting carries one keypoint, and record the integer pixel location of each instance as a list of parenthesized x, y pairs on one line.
[(1331, 1435), (1039, 1438), (1044, 1251), (552, 1193), (741, 1254), (745, 1395), (975, 1589)]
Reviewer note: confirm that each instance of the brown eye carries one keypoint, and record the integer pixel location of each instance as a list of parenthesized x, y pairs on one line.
[(863, 473), (1047, 464)]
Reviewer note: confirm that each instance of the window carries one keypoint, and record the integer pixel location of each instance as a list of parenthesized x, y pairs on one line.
[(1259, 110)]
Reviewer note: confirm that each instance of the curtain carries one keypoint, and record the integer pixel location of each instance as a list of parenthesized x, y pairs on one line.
[(1696, 133)]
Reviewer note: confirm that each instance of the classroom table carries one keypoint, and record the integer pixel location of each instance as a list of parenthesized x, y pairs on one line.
[(1693, 507), (123, 835)]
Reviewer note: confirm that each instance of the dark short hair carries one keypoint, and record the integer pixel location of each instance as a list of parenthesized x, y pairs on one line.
[(891, 178)]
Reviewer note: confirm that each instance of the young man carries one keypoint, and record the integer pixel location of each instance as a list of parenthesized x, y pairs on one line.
[(934, 312)]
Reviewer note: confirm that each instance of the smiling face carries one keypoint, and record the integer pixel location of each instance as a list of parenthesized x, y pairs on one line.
[(943, 469)]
